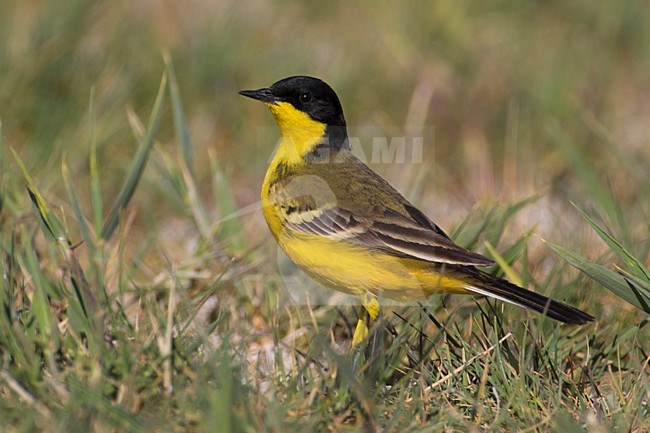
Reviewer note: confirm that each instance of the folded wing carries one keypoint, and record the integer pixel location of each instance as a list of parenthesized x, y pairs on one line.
[(389, 233)]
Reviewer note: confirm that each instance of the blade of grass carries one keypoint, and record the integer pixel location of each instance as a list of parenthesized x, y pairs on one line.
[(605, 277), (96, 203), (84, 303), (635, 265), (24, 395), (511, 210), (52, 227), (8, 182), (39, 309), (95, 186), (137, 166), (468, 232), (76, 208), (180, 125), (518, 252), (640, 285), (3, 170), (510, 273), (490, 226), (186, 165)]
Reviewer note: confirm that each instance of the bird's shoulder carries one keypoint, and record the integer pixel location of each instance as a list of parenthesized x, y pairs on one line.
[(343, 178)]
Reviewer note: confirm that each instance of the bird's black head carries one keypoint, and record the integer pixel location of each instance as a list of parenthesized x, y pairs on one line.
[(312, 96), (307, 94)]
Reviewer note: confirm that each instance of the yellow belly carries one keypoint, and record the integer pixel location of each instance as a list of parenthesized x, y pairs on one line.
[(353, 269)]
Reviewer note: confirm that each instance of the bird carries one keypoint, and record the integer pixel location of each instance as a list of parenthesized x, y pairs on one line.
[(350, 230)]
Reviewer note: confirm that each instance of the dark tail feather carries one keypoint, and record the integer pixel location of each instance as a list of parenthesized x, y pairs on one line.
[(489, 285)]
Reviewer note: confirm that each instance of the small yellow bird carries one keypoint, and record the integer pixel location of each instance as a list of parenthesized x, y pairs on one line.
[(351, 231)]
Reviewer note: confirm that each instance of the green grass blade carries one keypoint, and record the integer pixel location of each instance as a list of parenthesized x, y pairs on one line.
[(52, 227), (3, 169), (469, 231), (180, 125), (76, 208), (502, 217), (634, 264), (137, 166), (642, 286), (518, 252), (185, 144), (83, 304), (490, 226), (8, 182), (605, 277), (39, 309), (95, 186)]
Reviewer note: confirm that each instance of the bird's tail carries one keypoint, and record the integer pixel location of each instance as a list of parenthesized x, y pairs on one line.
[(494, 287)]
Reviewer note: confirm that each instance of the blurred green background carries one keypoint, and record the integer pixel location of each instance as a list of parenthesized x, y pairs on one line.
[(514, 99), (514, 91)]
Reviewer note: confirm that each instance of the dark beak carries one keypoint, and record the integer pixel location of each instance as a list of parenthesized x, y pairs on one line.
[(263, 95)]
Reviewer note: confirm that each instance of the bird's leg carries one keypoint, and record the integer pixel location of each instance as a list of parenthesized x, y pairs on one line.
[(369, 310), (361, 331)]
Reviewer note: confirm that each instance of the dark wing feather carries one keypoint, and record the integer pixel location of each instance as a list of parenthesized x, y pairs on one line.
[(423, 220)]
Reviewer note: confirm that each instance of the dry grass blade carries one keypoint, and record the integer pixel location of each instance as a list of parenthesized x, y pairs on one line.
[(24, 394), (507, 269)]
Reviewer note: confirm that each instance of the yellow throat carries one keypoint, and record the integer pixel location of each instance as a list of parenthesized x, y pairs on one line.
[(299, 133)]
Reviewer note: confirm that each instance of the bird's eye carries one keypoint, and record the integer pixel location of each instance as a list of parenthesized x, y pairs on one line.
[(305, 97)]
